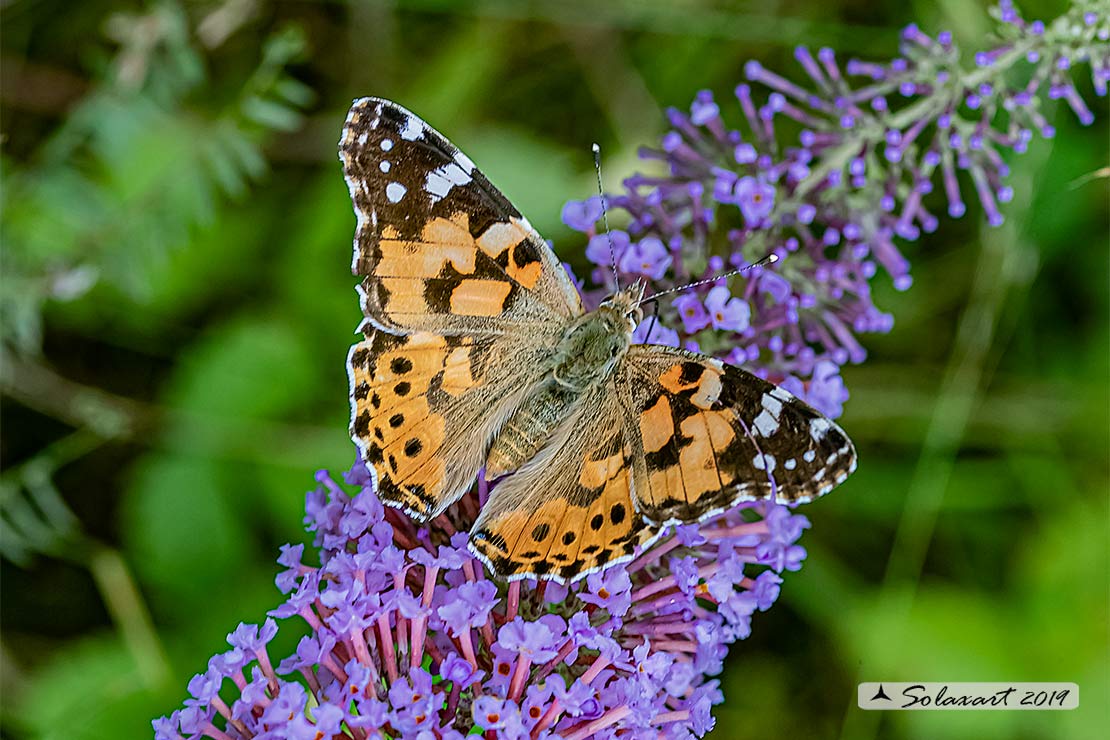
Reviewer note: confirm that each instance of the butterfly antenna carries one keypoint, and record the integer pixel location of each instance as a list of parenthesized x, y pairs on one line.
[(768, 260), (605, 215)]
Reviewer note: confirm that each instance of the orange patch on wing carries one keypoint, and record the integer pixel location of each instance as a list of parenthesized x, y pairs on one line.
[(456, 373), (698, 461), (657, 425), (442, 241), (503, 237), (709, 389), (721, 435), (528, 275), (708, 384), (597, 472), (404, 296), (480, 297), (671, 380), (594, 540), (663, 481), (417, 461)]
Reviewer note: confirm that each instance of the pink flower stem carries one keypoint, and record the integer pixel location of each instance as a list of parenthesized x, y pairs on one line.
[(686, 646), (549, 717), (216, 733), (420, 624), (611, 717), (362, 652), (653, 588), (657, 628), (550, 665), (310, 616), (468, 648), (520, 675), (665, 717), (599, 665), (739, 530), (514, 601), (653, 554), (267, 669), (452, 704), (239, 679), (334, 667), (310, 678), (389, 657), (358, 641)]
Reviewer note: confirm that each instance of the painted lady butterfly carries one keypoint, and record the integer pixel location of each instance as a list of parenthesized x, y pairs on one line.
[(478, 355)]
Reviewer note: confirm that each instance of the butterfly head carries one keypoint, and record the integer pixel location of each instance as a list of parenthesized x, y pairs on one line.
[(594, 344), (626, 303)]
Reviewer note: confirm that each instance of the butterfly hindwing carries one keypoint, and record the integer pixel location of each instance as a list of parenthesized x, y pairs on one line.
[(440, 247), (423, 407), (569, 511), (708, 435)]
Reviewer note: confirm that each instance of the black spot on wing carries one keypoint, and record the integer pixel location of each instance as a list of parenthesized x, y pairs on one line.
[(691, 372), (362, 425)]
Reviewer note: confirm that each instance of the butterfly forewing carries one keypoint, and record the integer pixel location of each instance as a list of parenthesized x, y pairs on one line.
[(441, 248), (709, 435)]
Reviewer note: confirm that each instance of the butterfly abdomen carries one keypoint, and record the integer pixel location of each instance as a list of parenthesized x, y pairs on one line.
[(528, 430)]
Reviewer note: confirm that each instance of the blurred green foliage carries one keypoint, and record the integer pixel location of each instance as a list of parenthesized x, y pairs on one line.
[(176, 309)]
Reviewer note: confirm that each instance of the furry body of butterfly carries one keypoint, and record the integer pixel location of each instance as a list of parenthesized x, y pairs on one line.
[(588, 352), (477, 353)]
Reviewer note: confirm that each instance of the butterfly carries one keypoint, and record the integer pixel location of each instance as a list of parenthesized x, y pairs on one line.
[(478, 358)]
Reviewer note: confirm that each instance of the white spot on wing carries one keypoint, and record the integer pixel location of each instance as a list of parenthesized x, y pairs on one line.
[(442, 179), (765, 424), (413, 128), (809, 455), (387, 144), (362, 138), (790, 464), (764, 462), (784, 396), (818, 428), (464, 162), (384, 165), (395, 191)]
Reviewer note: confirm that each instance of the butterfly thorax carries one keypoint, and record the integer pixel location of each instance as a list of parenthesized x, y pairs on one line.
[(590, 349)]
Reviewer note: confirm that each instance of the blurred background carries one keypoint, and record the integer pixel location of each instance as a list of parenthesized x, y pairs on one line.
[(177, 307)]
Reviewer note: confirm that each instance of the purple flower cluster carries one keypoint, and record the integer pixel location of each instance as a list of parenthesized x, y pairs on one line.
[(830, 177), (409, 639)]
